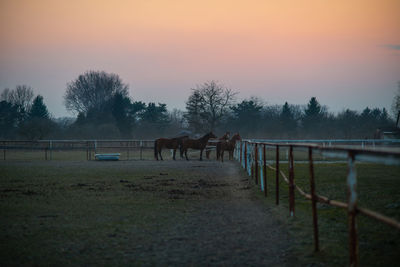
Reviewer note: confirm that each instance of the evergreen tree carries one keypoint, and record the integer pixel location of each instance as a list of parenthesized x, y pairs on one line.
[(38, 109), (288, 121)]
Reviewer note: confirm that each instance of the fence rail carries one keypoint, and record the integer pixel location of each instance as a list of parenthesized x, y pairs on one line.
[(48, 147), (252, 156)]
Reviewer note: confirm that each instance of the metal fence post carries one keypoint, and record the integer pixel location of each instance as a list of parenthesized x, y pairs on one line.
[(291, 182), (240, 157), (51, 149), (265, 171), (313, 200), (256, 163), (245, 156), (277, 175), (352, 210), (141, 150)]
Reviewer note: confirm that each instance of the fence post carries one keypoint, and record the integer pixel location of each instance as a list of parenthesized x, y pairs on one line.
[(291, 182), (352, 210), (245, 155), (277, 175), (256, 163), (313, 200), (265, 171), (51, 149), (240, 157), (141, 149)]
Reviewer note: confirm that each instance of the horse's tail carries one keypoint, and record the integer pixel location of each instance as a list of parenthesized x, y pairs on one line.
[(155, 149)]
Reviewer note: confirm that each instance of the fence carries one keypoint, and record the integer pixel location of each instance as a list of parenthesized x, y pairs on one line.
[(131, 148), (252, 156)]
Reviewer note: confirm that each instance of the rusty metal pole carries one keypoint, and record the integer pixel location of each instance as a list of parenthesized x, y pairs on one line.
[(313, 200), (240, 155), (127, 150), (352, 210), (265, 171), (256, 162), (245, 155), (277, 175), (291, 182)]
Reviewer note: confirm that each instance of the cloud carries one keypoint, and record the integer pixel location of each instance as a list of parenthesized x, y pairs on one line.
[(392, 46)]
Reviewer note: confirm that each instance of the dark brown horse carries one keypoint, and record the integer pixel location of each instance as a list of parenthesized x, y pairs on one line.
[(227, 145), (172, 143), (225, 137), (200, 144)]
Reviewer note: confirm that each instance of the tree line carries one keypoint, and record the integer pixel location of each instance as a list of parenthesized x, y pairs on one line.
[(103, 109)]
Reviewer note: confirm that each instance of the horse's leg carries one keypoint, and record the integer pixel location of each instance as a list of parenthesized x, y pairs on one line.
[(181, 151), (155, 150), (174, 153), (159, 152), (201, 154), (222, 155), (185, 150), (208, 152)]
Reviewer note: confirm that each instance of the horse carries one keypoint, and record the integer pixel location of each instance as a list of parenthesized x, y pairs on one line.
[(172, 143), (200, 144), (225, 137), (227, 145)]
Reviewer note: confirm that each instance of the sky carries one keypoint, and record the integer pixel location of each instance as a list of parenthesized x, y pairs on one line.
[(344, 52)]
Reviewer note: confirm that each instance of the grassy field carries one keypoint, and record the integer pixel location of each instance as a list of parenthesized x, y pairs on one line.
[(378, 190), (81, 213), (65, 209)]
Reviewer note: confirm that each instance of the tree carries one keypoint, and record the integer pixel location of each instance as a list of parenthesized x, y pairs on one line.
[(155, 114), (313, 115), (288, 121), (120, 109), (396, 102), (193, 108), (247, 115), (210, 103), (21, 97), (38, 109), (9, 117), (92, 91), (38, 123)]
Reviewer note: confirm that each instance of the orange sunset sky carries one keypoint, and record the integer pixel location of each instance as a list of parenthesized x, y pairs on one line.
[(344, 52)]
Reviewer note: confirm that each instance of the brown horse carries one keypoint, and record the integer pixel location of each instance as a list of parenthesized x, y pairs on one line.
[(225, 137), (229, 146), (172, 143), (200, 144)]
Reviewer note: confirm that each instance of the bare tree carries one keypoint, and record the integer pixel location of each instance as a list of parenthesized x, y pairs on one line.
[(396, 102), (21, 97), (93, 89), (208, 104)]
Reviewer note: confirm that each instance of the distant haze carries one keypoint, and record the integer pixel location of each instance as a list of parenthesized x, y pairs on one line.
[(345, 53)]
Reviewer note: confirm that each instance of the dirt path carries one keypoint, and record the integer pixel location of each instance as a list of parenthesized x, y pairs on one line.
[(227, 224)]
